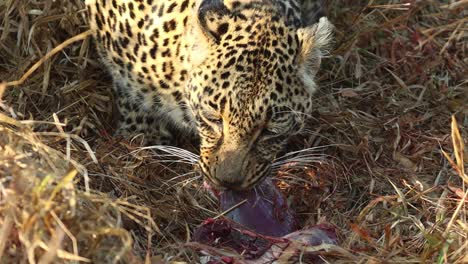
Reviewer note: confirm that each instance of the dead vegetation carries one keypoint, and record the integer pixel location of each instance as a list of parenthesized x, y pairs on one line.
[(392, 178)]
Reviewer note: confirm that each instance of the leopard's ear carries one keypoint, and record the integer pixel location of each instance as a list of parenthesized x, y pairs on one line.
[(213, 18), (314, 41)]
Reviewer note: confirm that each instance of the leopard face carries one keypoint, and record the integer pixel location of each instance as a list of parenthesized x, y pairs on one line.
[(250, 90)]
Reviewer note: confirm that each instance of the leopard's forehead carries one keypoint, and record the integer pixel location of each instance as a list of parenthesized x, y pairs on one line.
[(251, 57)]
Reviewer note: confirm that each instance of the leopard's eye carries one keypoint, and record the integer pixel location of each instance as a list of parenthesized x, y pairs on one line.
[(212, 118), (270, 132), (215, 120)]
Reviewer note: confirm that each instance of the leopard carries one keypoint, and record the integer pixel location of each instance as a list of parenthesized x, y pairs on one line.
[(237, 75)]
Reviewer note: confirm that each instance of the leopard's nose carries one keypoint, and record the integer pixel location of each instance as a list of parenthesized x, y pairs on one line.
[(228, 172)]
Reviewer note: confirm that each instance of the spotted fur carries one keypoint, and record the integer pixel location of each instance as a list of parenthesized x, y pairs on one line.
[(236, 74)]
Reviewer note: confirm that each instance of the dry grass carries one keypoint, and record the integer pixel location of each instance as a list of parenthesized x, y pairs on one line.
[(393, 179)]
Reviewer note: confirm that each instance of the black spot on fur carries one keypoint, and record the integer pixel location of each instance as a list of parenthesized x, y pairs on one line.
[(222, 29), (163, 84), (169, 25), (230, 63)]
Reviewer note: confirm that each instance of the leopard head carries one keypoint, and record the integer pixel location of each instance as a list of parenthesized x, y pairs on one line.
[(251, 81)]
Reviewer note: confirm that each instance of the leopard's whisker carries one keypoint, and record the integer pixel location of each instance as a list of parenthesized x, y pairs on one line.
[(297, 165), (301, 158), (182, 155), (305, 159), (311, 150)]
